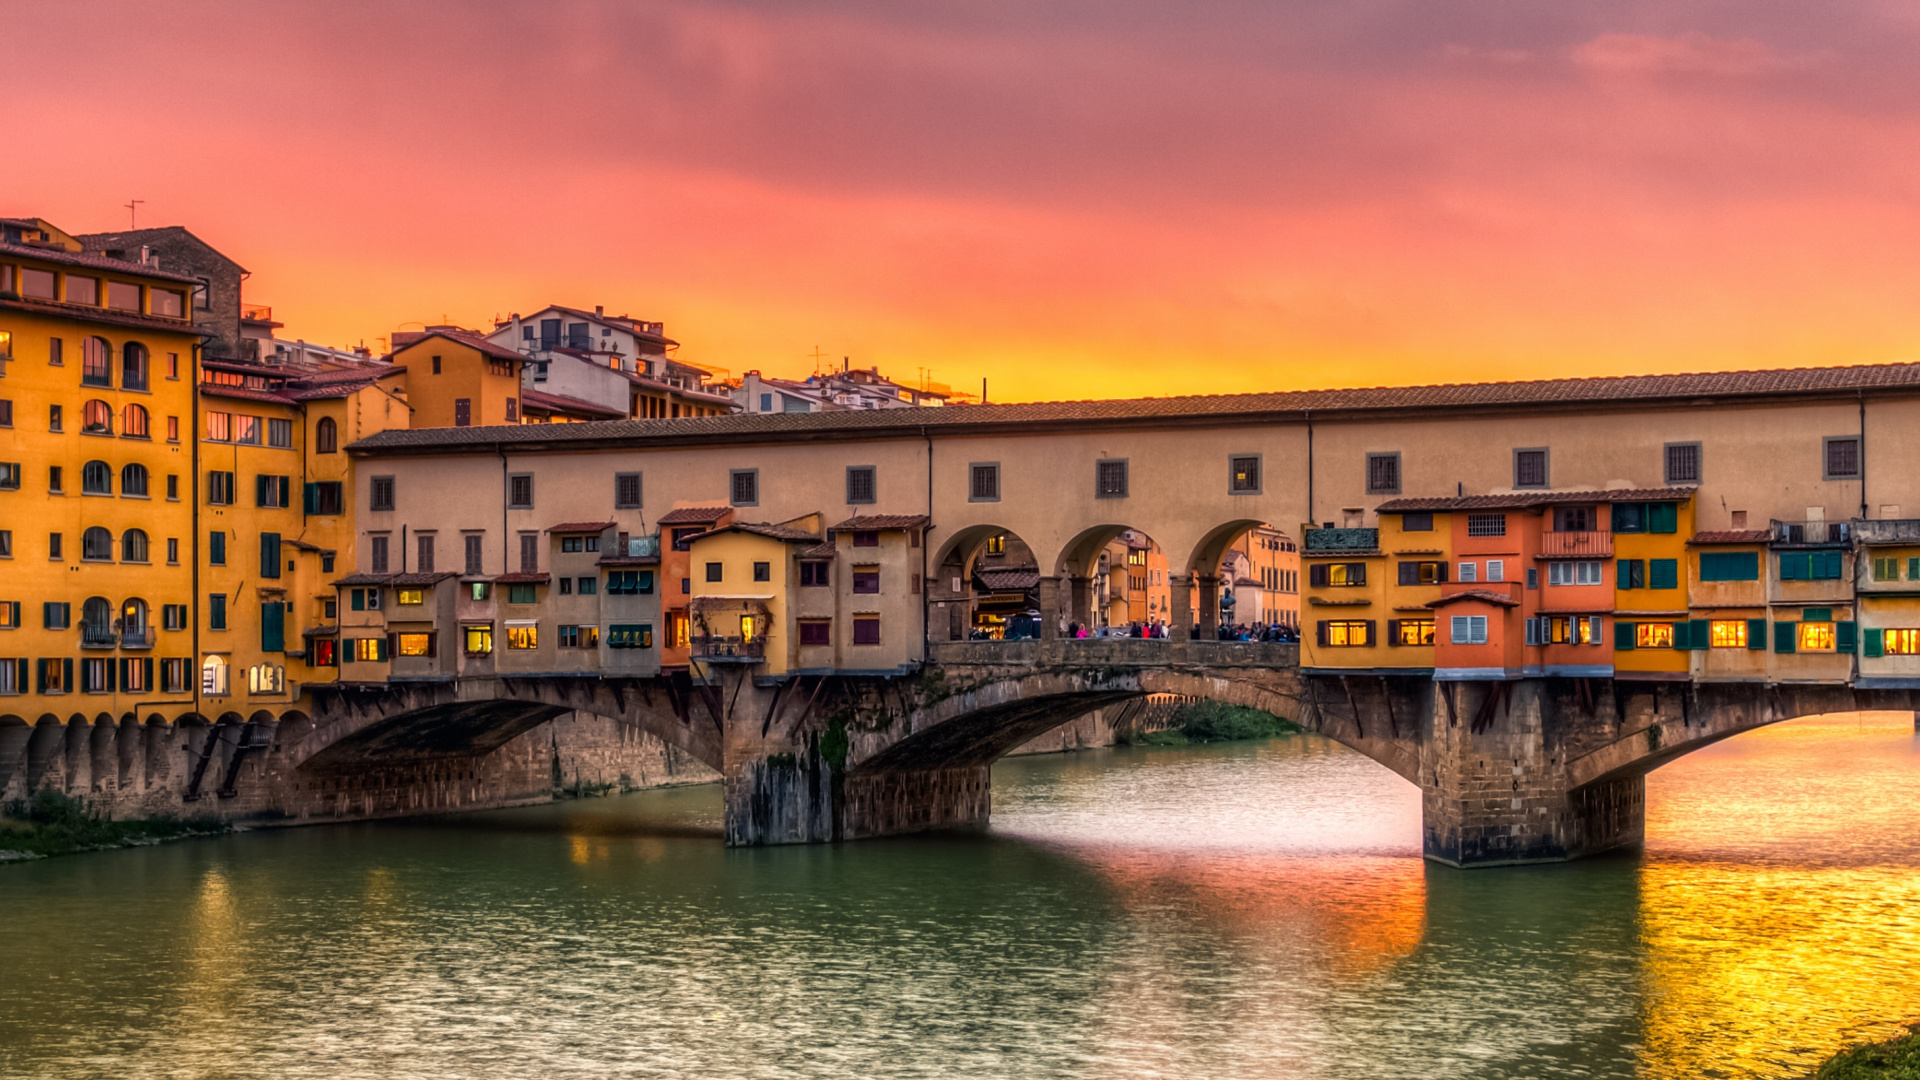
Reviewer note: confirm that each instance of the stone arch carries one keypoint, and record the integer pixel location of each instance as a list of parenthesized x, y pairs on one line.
[(44, 749), (14, 733), (985, 578), (1104, 587), (103, 768), (128, 746)]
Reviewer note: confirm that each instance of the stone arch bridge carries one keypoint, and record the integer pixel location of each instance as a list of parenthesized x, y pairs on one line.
[(1534, 770)]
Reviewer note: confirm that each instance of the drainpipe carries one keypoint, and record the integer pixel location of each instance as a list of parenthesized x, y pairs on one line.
[(926, 583), (193, 492), (1863, 453), (1308, 414), (505, 549)]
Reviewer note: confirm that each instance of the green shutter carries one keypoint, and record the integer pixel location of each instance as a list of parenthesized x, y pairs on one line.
[(273, 624), (1663, 573), (1816, 614), (146, 668), (1663, 518), (310, 497), (1913, 569), (1756, 633), (113, 672), (1829, 565), (1701, 632), (1623, 633), (1783, 636), (1794, 566), (1874, 641), (1682, 636), (269, 555), (1846, 636), (357, 599)]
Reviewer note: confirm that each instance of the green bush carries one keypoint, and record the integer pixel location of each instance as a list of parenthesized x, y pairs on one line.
[(1895, 1059), (1211, 721), (51, 823)]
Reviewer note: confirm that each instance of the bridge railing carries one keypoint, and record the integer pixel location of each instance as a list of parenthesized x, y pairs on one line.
[(1119, 651)]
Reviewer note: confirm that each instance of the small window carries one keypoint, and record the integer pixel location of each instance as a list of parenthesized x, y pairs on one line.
[(1842, 455), (626, 491), (521, 594), (1243, 474), (520, 491), (1683, 463), (866, 538), (1110, 479), (714, 571), (326, 436), (377, 553), (984, 482), (762, 571), (474, 553), (743, 487), (133, 422), (866, 630), (1486, 524), (1416, 522), (815, 573), (280, 433), (96, 418), (816, 632), (861, 485), (1530, 468), (1469, 571), (380, 493), (529, 553), (866, 579), (1383, 474), (1468, 630)]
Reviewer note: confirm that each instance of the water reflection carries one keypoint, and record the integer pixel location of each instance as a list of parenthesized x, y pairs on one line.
[(1248, 911)]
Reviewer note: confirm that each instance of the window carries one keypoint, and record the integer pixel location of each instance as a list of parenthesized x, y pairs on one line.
[(477, 640), (1735, 566), (1496, 570), (9, 614), (1816, 637), (815, 573), (83, 290), (96, 362), (133, 422), (1841, 457), (37, 284), (1423, 573), (866, 538), (1486, 524), (216, 611), (1683, 463), (1110, 479), (173, 487), (1653, 636), (1811, 565), (219, 427), (173, 616), (96, 418), (56, 615), (173, 365), (272, 492), (861, 484), (523, 635), (10, 476), (1383, 474), (326, 436), (6, 543), (588, 585), (1884, 569), (6, 412), (56, 418), (123, 296), (217, 548), (816, 632), (1727, 634), (173, 551), (1530, 468), (1416, 522), (520, 594), (377, 554), (997, 545), (1630, 574), (1573, 573), (410, 596), (380, 493), (475, 554), (423, 551), (96, 545), (13, 672), (167, 302), (1243, 474), (1467, 630), (866, 579), (1573, 519), (1469, 571), (134, 369), (96, 478), (762, 571), (246, 430), (628, 582), (566, 586), (325, 497), (1663, 573), (626, 491), (269, 555), (983, 483), (415, 644), (579, 637), (1324, 575), (54, 546), (866, 630), (529, 553), (133, 546), (520, 491), (1346, 633), (743, 487), (462, 412), (370, 650), (280, 433), (133, 481), (1898, 642), (477, 590), (714, 571), (1412, 632)]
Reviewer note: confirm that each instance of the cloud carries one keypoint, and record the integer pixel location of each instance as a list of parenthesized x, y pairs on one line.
[(1691, 54)]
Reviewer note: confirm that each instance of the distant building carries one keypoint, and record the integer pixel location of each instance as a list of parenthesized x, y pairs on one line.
[(849, 388), (611, 361), (214, 304)]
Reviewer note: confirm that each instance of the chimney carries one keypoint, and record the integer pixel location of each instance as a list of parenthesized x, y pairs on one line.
[(599, 309), (144, 256)]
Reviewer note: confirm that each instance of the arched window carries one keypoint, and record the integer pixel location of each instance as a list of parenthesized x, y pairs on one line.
[(96, 418), (266, 679), (133, 422), (133, 480), (326, 436), (96, 544), (96, 621), (96, 362), (133, 546), (96, 478), (213, 675), (133, 618), (133, 366)]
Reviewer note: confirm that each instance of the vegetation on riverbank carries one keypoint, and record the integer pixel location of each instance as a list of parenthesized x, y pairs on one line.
[(1894, 1059), (1211, 721), (54, 824)]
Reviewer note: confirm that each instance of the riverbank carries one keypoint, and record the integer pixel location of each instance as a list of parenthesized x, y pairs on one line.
[(1211, 722), (55, 824), (1894, 1059)]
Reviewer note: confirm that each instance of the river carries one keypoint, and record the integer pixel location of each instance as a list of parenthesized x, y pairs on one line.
[(1251, 910)]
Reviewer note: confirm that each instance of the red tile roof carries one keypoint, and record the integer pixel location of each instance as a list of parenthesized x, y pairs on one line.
[(92, 262), (695, 515), (1007, 579), (471, 339), (396, 579), (540, 399), (1732, 536), (245, 393), (881, 522), (761, 528), (522, 578), (581, 527), (1484, 595), (1523, 499)]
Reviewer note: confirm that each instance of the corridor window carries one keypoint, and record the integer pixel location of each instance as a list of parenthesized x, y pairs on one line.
[(523, 637), (1468, 630), (983, 482), (1842, 458), (1683, 463), (861, 484), (743, 487), (1530, 468), (1110, 479), (520, 491), (1727, 633), (1383, 474), (1653, 635), (1815, 637), (1243, 475), (1414, 632), (626, 491)]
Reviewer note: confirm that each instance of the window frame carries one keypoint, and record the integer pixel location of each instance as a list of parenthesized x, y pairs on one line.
[(973, 477), (733, 487), (1859, 457), (1546, 467), (1259, 476), (620, 502), (514, 481), (872, 475), (1666, 462), (1398, 479)]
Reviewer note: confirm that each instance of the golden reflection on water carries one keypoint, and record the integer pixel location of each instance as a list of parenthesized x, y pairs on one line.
[(1780, 897)]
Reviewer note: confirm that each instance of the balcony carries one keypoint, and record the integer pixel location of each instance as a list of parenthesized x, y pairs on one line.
[(728, 649), (261, 313), (139, 637), (1576, 545), (1810, 533), (1334, 541), (1887, 531), (98, 637)]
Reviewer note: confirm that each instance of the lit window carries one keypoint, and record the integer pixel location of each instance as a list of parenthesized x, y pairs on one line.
[(1350, 632), (413, 596), (1901, 643), (479, 640), (416, 644), (997, 545), (1416, 632), (370, 649), (1816, 637), (523, 637), (219, 427), (1728, 633), (1653, 635)]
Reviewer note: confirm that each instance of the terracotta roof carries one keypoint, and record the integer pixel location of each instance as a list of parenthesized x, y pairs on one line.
[(319, 631), (761, 528), (100, 315), (396, 579), (627, 560), (1484, 595), (694, 515), (820, 551), (540, 399), (92, 262), (581, 527), (1732, 536), (245, 393), (1523, 499), (1009, 578), (524, 577), (469, 338), (1289, 406), (880, 522)]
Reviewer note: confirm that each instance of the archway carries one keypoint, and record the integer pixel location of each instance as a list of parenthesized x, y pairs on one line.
[(986, 586), (1253, 568), (1118, 582)]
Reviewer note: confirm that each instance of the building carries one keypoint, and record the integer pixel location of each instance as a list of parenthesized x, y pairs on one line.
[(457, 378), (214, 302), (849, 388), (97, 479), (609, 361)]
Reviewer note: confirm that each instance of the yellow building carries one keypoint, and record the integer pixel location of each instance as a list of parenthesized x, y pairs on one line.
[(1653, 622), (745, 577), (96, 482), (1887, 589), (457, 378)]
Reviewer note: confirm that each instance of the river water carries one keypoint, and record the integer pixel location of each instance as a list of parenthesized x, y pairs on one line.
[(1253, 910)]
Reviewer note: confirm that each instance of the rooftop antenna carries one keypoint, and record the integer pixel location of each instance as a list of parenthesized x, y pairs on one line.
[(818, 357), (133, 208)]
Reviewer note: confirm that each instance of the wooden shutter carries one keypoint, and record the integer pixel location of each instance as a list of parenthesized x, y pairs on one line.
[(1663, 517), (1623, 634), (1320, 631), (1702, 633), (1370, 638), (1783, 636), (1393, 630), (273, 621), (1846, 636), (1317, 577), (1409, 573), (1874, 642), (1756, 633)]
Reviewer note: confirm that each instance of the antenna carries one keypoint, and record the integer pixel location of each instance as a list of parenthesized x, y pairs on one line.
[(817, 357), (133, 206)]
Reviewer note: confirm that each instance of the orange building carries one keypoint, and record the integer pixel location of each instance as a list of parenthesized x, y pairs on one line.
[(457, 378)]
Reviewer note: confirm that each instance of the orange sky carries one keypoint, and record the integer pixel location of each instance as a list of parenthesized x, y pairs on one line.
[(1079, 198)]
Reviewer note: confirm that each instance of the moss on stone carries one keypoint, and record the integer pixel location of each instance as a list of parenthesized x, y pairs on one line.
[(1894, 1059), (55, 824)]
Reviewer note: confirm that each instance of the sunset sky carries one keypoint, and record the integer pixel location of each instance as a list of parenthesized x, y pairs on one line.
[(1072, 199)]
